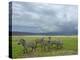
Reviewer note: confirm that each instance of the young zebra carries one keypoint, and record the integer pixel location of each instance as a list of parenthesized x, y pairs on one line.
[(27, 45)]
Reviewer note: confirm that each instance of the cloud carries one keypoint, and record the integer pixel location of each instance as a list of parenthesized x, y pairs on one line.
[(46, 17)]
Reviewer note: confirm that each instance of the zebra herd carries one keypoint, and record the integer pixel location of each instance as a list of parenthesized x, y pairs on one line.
[(49, 44)]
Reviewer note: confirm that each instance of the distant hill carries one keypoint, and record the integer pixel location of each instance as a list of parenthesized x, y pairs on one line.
[(29, 33), (27, 30), (49, 33)]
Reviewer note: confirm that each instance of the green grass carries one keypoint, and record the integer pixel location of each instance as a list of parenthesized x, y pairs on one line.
[(70, 47)]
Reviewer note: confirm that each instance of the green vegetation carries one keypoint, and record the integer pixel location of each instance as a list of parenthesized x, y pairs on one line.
[(70, 47)]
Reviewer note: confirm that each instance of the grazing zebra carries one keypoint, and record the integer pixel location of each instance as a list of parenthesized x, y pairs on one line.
[(27, 45), (57, 43), (41, 42), (49, 43)]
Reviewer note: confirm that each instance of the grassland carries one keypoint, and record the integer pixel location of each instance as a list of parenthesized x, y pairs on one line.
[(70, 47)]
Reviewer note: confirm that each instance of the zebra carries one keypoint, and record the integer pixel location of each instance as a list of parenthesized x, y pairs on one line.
[(57, 43), (49, 43), (41, 42), (27, 45)]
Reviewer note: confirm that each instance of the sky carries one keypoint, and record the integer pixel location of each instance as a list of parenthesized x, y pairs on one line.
[(44, 17)]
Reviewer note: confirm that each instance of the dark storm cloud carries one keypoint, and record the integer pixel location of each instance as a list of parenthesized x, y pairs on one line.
[(44, 17)]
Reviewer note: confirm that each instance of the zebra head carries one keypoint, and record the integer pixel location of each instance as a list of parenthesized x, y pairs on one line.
[(21, 41)]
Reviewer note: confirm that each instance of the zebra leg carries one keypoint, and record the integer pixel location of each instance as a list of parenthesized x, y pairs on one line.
[(24, 51), (61, 46), (47, 48), (32, 49), (44, 47), (57, 46)]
